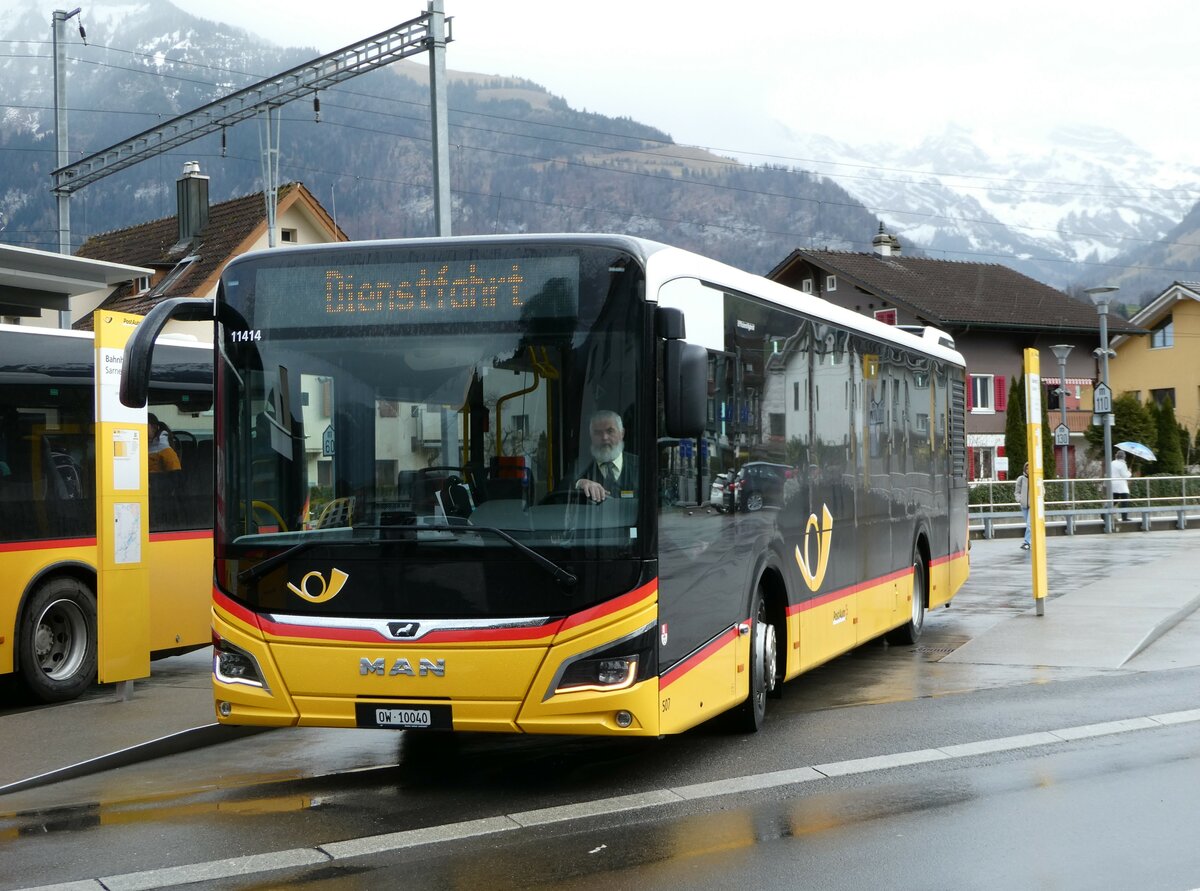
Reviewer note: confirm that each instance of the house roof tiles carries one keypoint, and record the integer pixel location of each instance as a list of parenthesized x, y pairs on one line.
[(956, 295), (231, 225)]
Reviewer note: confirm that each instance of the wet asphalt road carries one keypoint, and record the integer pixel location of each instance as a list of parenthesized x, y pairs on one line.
[(1111, 811)]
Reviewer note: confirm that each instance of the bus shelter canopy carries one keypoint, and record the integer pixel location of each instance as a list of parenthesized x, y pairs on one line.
[(32, 280)]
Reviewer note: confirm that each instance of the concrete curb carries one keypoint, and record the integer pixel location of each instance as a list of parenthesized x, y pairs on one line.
[(173, 744), (1165, 625)]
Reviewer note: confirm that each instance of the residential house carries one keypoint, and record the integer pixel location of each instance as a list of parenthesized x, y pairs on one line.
[(993, 313), (186, 252), (185, 255), (1162, 365)]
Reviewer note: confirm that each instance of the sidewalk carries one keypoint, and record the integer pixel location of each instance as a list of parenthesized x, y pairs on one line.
[(1126, 602), (171, 711), (1112, 597)]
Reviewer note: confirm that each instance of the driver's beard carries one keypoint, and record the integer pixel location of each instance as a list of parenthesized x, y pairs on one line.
[(602, 453)]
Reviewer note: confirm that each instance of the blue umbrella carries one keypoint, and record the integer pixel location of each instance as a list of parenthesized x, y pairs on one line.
[(1137, 450)]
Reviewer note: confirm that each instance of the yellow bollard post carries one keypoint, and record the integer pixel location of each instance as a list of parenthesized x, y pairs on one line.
[(1037, 494)]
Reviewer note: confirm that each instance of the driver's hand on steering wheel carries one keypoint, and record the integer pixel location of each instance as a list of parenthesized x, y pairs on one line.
[(593, 490)]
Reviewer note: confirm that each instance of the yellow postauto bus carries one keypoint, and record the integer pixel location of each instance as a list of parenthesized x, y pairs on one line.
[(48, 557), (468, 484)]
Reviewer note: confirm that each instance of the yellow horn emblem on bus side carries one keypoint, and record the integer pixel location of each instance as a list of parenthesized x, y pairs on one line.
[(337, 578), (824, 528)]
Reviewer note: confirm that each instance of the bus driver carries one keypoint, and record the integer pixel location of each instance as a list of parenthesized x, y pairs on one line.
[(612, 470)]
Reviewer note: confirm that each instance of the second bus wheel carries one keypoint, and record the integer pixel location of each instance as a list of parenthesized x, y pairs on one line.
[(57, 640), (910, 631), (764, 675)]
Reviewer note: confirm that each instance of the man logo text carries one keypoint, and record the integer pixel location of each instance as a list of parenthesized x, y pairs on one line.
[(425, 667)]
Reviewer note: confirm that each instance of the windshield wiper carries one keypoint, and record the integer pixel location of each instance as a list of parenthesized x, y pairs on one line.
[(561, 575), (258, 570)]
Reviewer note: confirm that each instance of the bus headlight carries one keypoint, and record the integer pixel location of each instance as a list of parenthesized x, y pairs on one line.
[(233, 665), (599, 674), (617, 666)]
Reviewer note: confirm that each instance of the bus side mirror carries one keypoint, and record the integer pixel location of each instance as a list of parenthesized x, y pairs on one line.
[(139, 349), (685, 388)]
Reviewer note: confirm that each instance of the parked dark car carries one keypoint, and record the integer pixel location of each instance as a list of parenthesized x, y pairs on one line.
[(759, 484)]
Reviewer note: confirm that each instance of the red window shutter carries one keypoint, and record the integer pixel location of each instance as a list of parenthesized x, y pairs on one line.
[(970, 463), (1001, 393)]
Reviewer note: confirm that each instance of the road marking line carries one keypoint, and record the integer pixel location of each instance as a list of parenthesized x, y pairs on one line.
[(1106, 729), (1004, 744), (747, 783), (214, 869), (880, 762), (600, 807), (392, 841)]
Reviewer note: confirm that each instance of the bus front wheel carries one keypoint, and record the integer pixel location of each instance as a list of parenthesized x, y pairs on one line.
[(57, 640), (763, 667)]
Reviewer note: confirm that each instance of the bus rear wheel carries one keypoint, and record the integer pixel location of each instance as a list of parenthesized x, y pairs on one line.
[(910, 631), (764, 675), (57, 640)]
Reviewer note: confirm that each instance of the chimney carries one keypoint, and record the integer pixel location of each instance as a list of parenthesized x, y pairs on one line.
[(191, 193), (885, 244)]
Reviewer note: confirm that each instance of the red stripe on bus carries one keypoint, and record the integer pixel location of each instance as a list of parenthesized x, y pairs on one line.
[(234, 608), (710, 649), (183, 535), (937, 561), (847, 591), (625, 601), (43, 545), (368, 635)]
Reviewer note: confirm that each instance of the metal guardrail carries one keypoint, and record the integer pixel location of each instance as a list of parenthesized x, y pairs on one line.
[(1081, 504)]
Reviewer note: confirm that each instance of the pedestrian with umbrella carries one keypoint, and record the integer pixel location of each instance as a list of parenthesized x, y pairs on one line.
[(1120, 483)]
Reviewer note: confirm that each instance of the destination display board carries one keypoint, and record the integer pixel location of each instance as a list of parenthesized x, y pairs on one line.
[(417, 292)]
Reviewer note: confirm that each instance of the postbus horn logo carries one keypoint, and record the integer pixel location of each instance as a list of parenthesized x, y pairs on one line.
[(337, 578), (824, 528)]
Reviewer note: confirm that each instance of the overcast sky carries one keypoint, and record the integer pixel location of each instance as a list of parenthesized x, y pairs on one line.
[(734, 75)]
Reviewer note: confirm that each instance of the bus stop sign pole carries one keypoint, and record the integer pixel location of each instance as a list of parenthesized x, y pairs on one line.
[(1033, 446), (122, 514)]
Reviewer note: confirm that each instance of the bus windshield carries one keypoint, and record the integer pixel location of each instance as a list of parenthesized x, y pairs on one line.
[(412, 414)]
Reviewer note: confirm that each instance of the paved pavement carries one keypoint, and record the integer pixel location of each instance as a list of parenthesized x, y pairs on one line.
[(1122, 602)]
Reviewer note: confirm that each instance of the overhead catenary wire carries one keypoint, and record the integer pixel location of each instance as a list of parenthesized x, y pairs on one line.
[(878, 210)]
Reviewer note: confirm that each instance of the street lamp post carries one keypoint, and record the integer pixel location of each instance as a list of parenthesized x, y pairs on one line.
[(1101, 295), (1061, 351)]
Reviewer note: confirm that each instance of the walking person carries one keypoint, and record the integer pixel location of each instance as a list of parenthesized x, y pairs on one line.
[(1120, 483), (1023, 501)]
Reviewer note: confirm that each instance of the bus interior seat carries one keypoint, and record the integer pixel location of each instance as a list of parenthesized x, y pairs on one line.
[(199, 468), (507, 477), (339, 512)]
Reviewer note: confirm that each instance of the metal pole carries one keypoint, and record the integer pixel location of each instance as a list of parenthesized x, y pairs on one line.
[(438, 112), (1100, 296), (1106, 420), (63, 199), (1061, 352)]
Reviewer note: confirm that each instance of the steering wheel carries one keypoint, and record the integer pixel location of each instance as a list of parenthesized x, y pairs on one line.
[(570, 497)]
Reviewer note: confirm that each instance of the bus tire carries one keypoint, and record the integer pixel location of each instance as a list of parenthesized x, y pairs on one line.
[(764, 676), (910, 631), (57, 640)]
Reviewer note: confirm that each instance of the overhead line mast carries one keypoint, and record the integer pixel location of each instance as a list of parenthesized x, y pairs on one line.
[(263, 100)]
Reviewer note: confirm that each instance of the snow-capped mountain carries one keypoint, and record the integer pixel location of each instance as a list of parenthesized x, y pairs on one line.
[(1068, 208), (1059, 210)]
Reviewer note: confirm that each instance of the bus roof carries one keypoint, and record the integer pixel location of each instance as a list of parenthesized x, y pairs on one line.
[(662, 263)]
